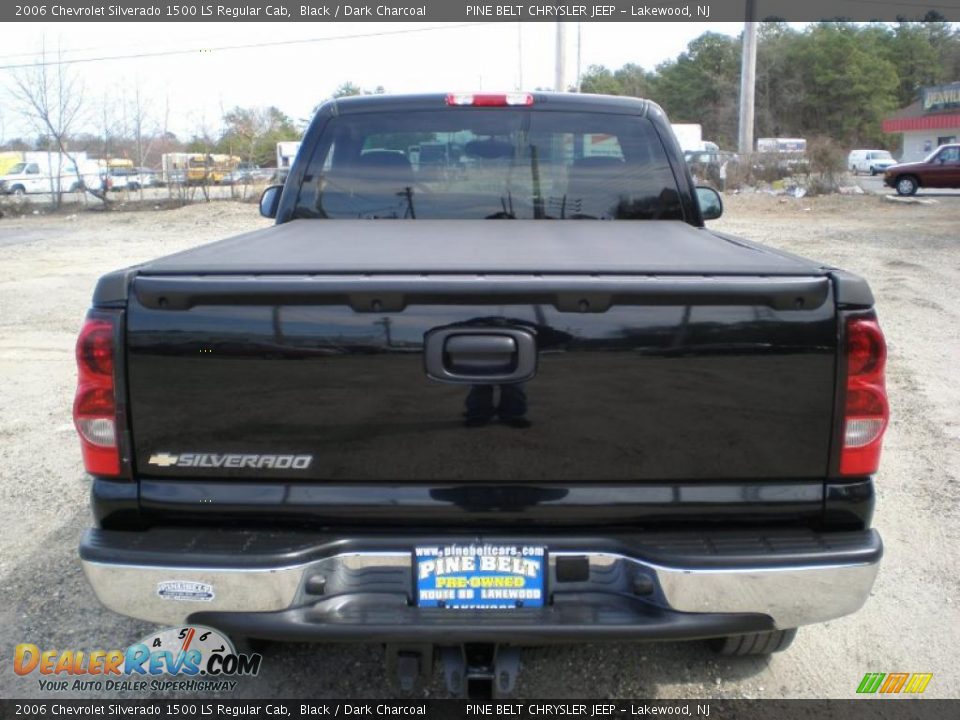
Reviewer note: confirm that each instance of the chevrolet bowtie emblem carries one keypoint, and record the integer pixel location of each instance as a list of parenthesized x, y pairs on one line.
[(163, 459)]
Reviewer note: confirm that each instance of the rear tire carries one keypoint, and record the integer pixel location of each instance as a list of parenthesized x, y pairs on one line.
[(248, 645), (18, 192), (762, 643), (907, 185)]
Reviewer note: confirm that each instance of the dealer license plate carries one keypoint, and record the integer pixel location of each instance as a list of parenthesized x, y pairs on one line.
[(480, 576)]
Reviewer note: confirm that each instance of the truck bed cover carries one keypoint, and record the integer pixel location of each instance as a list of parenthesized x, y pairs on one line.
[(483, 246)]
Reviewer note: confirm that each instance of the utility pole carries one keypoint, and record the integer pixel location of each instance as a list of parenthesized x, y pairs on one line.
[(519, 56), (748, 79), (560, 74), (579, 49)]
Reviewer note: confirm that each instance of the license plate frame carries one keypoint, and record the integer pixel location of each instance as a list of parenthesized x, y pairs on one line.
[(480, 576)]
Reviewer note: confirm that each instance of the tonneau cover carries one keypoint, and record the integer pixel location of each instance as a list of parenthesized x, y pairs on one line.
[(664, 353), (483, 246)]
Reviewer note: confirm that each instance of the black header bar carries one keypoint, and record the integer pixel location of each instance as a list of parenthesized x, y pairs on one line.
[(480, 11), (206, 707)]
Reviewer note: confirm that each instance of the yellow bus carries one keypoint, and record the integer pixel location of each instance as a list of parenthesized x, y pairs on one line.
[(210, 169)]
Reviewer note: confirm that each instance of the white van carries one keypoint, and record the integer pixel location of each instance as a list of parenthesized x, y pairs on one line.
[(30, 177), (43, 172), (871, 161)]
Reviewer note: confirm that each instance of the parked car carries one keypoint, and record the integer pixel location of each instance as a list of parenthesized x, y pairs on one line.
[(131, 178), (940, 169), (145, 178), (871, 161), (711, 165), (174, 177), (245, 173), (536, 401), (122, 178)]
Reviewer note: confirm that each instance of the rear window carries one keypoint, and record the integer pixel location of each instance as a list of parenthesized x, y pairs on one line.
[(493, 164)]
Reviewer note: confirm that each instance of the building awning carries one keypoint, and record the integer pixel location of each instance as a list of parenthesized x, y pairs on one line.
[(949, 121)]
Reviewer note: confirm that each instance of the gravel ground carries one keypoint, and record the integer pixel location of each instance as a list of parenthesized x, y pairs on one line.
[(48, 265)]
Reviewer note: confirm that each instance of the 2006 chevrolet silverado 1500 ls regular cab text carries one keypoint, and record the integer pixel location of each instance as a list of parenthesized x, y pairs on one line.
[(488, 382)]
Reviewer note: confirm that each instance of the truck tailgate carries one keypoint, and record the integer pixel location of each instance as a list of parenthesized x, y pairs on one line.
[(322, 351)]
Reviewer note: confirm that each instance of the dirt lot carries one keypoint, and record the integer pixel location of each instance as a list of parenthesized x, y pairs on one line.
[(910, 254)]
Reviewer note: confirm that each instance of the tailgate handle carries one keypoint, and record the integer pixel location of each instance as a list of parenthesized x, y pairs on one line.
[(480, 356)]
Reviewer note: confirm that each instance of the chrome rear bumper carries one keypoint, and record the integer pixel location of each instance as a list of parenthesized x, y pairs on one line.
[(784, 579)]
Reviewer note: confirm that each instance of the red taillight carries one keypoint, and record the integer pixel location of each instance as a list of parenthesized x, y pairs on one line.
[(865, 403), (489, 99), (95, 406)]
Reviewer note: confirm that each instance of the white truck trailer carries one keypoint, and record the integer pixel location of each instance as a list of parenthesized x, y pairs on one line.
[(286, 153)]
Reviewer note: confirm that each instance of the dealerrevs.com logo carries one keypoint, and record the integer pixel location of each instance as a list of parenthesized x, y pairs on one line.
[(192, 658), (894, 683)]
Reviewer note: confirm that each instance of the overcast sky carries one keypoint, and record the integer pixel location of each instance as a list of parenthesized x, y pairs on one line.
[(198, 84)]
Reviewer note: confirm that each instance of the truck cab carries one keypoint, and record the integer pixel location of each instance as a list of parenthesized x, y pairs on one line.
[(25, 178)]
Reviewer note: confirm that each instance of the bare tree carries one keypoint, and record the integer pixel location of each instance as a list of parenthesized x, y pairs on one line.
[(143, 137), (139, 118), (196, 175), (107, 130), (52, 98), (174, 177), (110, 135), (224, 137)]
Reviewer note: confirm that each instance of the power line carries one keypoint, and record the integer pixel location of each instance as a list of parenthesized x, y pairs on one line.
[(894, 3), (33, 53), (248, 46)]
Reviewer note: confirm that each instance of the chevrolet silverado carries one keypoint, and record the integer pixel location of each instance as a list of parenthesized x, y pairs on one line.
[(508, 392)]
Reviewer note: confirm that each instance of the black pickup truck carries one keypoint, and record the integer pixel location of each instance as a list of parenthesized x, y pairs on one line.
[(504, 391)]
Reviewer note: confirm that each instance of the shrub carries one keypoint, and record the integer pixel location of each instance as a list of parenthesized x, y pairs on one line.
[(828, 162)]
